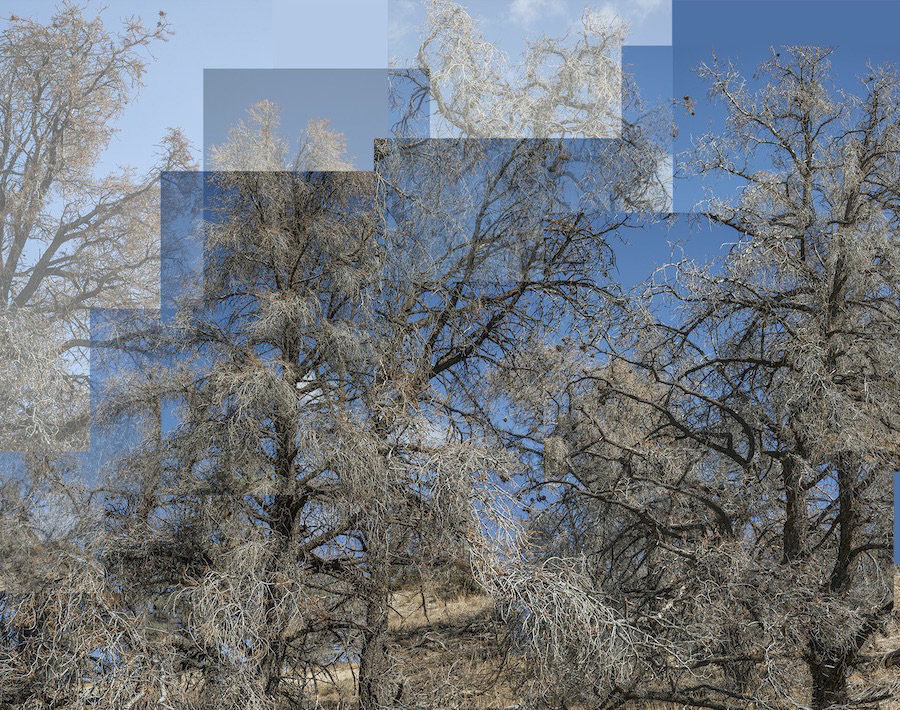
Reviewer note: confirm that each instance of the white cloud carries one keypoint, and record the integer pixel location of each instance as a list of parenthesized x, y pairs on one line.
[(605, 15), (647, 21), (643, 8), (404, 20), (527, 12), (607, 12), (308, 395)]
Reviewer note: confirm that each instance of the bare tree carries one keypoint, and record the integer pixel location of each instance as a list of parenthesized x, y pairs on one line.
[(256, 145), (679, 496), (727, 471), (335, 433), (566, 87), (69, 238)]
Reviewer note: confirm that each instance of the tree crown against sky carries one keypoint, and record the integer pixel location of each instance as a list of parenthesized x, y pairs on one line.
[(256, 144), (568, 87), (756, 492), (330, 387), (69, 239), (676, 459), (378, 364)]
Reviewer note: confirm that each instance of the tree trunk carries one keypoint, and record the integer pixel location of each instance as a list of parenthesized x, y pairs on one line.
[(283, 511), (271, 665), (796, 522), (374, 663), (374, 666), (829, 683)]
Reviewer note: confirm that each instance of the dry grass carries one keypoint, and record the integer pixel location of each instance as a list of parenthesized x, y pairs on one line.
[(441, 645), (444, 647), (416, 609), (891, 640), (879, 647)]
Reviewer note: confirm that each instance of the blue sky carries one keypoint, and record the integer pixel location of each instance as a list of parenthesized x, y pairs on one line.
[(228, 34), (510, 23), (353, 101), (744, 30), (260, 34)]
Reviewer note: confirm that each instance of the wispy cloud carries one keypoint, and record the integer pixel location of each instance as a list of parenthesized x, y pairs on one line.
[(526, 12), (402, 20), (631, 13), (641, 9), (606, 14)]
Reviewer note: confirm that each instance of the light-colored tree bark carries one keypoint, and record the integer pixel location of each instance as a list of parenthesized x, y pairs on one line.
[(70, 239), (335, 429), (726, 473), (562, 87)]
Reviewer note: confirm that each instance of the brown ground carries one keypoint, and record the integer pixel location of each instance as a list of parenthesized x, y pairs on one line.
[(445, 646), (448, 646)]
